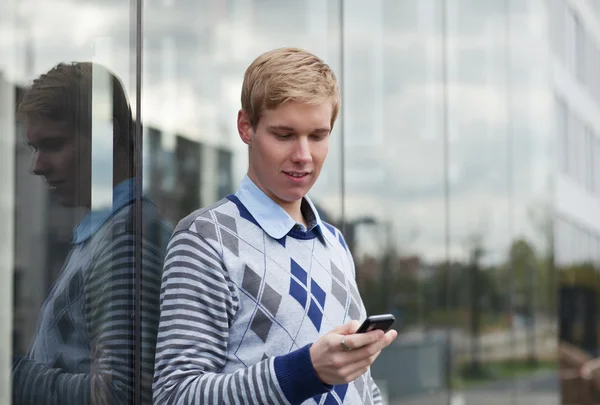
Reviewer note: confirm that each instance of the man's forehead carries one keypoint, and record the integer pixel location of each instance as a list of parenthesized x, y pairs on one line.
[(38, 129), (307, 120)]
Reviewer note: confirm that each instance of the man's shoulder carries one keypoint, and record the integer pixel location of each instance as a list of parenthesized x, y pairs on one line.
[(188, 223), (334, 234), (124, 219), (331, 228)]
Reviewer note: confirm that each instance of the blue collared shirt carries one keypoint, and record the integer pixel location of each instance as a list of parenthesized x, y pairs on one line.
[(271, 217), (123, 194)]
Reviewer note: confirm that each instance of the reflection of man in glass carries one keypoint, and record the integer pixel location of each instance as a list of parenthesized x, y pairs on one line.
[(88, 346), (259, 303)]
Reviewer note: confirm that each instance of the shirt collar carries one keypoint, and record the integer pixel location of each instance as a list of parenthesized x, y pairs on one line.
[(271, 217), (123, 194)]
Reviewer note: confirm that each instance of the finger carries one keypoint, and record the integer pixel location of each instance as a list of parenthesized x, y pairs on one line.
[(358, 340), (346, 329), (341, 328), (355, 374), (371, 350), (388, 338), (351, 371), (378, 345), (572, 356), (391, 334), (360, 355), (364, 362), (374, 357)]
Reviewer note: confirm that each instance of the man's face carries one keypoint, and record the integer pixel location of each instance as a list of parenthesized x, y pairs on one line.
[(287, 148), (62, 158)]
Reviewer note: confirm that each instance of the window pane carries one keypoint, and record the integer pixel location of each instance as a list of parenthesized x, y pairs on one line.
[(68, 107), (562, 132), (501, 116), (394, 200)]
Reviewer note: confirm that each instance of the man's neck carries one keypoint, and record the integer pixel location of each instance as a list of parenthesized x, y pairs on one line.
[(299, 218), (293, 208)]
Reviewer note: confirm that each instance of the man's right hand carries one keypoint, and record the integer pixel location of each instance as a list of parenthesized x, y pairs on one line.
[(334, 365)]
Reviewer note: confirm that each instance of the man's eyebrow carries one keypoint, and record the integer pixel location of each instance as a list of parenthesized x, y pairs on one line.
[(281, 128), (290, 129), (50, 137)]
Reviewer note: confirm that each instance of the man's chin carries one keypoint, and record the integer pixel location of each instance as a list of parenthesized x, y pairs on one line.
[(293, 195)]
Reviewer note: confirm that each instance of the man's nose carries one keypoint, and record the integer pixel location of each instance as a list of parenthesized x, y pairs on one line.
[(302, 151), (39, 165)]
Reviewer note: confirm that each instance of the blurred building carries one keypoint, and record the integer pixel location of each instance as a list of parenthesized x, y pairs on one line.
[(576, 81)]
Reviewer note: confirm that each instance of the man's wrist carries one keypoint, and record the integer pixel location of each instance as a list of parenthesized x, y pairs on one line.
[(297, 377)]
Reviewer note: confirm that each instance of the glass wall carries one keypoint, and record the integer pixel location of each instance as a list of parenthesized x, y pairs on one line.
[(440, 173), (447, 158), (82, 252)]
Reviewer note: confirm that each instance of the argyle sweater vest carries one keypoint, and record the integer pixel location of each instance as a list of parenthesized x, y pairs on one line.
[(239, 311)]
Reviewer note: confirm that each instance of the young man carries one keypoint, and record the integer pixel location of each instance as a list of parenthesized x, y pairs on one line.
[(258, 301), (85, 349)]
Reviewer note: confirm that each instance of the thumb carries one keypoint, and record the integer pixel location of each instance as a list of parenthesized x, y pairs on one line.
[(347, 329)]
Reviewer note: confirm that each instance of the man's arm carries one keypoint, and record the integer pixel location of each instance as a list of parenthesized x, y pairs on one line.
[(198, 305), (110, 300)]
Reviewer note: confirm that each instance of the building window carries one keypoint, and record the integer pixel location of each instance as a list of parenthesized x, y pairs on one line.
[(572, 143), (580, 50), (562, 129), (588, 161), (596, 165), (570, 35), (557, 32), (595, 83)]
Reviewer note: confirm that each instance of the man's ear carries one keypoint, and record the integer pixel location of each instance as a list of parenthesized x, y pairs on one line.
[(245, 127)]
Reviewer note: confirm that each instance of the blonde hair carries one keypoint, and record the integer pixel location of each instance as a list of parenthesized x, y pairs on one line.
[(288, 74)]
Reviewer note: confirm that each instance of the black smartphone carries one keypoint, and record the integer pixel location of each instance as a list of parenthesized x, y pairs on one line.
[(374, 322)]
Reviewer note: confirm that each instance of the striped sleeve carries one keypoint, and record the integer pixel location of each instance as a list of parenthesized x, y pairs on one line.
[(198, 305), (109, 292), (376, 392)]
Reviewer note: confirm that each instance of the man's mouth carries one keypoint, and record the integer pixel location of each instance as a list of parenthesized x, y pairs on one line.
[(54, 184), (297, 175)]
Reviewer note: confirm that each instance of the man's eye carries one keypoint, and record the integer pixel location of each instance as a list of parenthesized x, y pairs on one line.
[(283, 136), (52, 145)]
